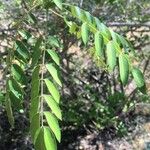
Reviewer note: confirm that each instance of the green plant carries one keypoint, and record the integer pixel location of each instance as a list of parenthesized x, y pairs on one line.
[(29, 52)]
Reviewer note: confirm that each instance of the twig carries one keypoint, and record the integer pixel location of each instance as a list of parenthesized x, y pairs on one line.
[(146, 24)]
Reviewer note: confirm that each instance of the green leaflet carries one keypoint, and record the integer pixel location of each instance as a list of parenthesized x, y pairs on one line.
[(18, 74), (85, 32), (9, 111), (54, 73), (15, 101), (25, 34), (53, 90), (115, 37), (77, 12), (123, 68), (15, 93), (54, 56), (35, 125), (45, 140), (99, 44), (53, 41), (31, 18), (49, 141), (125, 44), (89, 18), (35, 83), (111, 55), (103, 29), (15, 88), (36, 52), (138, 77), (21, 51), (53, 105), (58, 3), (34, 108), (53, 124), (72, 28), (8, 107), (1, 97), (39, 143), (81, 14)]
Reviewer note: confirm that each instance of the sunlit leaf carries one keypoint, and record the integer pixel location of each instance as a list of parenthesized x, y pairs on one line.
[(88, 17), (39, 142), (53, 90), (123, 68), (102, 28), (54, 56), (53, 124), (138, 77), (58, 3), (49, 141), (85, 32), (53, 105), (111, 55), (99, 44), (54, 73)]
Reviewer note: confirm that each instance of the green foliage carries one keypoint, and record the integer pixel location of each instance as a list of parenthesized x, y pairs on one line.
[(42, 135), (45, 111)]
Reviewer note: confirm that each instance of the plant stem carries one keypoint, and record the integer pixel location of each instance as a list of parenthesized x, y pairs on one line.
[(42, 89), (42, 74), (54, 12)]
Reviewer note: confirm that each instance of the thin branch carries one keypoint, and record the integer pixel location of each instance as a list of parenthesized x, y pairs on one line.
[(130, 24), (81, 3), (54, 12)]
